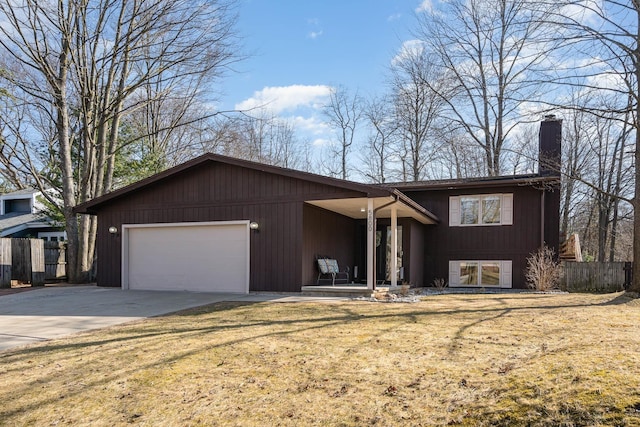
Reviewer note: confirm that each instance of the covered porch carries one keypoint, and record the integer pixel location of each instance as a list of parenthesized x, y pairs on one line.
[(361, 233)]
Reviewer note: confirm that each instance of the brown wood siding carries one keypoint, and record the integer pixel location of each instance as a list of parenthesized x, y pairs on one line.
[(329, 234), (222, 192), (552, 221), (413, 251), (513, 242)]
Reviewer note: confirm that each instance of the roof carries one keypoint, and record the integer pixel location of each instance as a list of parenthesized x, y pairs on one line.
[(393, 190), (16, 221), (16, 194), (367, 189), (493, 181)]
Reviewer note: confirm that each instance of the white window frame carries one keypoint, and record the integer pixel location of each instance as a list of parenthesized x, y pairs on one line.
[(506, 210), (506, 273), (47, 235)]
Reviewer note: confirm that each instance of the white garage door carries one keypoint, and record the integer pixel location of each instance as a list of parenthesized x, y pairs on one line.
[(204, 257)]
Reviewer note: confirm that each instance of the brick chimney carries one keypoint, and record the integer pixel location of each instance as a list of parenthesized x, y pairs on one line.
[(550, 149)]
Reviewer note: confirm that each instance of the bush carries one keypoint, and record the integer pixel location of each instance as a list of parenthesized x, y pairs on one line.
[(440, 284), (543, 271)]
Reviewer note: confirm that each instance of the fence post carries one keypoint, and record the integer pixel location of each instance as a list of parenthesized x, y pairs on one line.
[(628, 274), (5, 263), (37, 262)]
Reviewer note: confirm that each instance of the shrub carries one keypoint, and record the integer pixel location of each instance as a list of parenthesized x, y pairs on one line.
[(543, 271), (439, 284), (404, 289)]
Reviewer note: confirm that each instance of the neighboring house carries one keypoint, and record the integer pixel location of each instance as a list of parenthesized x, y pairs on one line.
[(222, 224), (20, 216)]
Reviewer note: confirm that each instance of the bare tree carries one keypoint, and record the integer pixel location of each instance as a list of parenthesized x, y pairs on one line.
[(601, 39), (378, 158), (522, 157), (82, 67), (459, 156), (575, 160), (417, 105), (343, 112), (262, 137), (490, 52)]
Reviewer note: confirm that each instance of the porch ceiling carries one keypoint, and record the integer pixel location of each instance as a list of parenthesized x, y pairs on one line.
[(356, 208)]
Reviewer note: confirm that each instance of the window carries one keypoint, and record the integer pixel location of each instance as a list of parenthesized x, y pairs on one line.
[(469, 209), (481, 209), (480, 273), (52, 236), (491, 210), (468, 273)]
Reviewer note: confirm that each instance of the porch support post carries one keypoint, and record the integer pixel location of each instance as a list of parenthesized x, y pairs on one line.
[(394, 246), (371, 245)]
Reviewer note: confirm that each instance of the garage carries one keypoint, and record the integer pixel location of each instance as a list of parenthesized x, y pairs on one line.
[(200, 257)]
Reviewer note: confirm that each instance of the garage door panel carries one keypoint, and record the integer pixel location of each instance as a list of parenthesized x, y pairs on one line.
[(207, 258)]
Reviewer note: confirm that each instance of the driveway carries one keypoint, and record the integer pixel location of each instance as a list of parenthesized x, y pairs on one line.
[(43, 314)]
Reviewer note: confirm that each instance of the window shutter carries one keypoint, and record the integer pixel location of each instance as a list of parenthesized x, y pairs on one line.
[(506, 209), (454, 273), (454, 211), (505, 274)]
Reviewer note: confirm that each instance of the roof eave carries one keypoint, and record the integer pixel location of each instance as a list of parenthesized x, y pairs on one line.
[(499, 182), (415, 205)]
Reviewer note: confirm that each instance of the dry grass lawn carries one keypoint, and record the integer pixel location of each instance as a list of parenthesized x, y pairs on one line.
[(474, 360)]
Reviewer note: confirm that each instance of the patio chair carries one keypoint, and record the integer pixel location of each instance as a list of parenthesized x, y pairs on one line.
[(329, 271)]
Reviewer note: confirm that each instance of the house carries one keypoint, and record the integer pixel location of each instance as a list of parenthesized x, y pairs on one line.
[(21, 216), (222, 224)]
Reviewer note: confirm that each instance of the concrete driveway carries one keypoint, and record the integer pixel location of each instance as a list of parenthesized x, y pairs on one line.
[(47, 313), (42, 314)]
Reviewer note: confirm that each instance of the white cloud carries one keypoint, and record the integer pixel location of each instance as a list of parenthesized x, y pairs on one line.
[(394, 17), (321, 142), (316, 30), (584, 11), (410, 48), (286, 98), (609, 80), (425, 6), (311, 125)]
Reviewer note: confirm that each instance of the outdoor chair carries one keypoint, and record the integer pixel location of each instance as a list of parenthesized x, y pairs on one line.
[(329, 271)]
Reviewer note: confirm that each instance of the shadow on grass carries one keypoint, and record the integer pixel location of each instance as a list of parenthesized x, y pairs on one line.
[(620, 299), (347, 316), (311, 317)]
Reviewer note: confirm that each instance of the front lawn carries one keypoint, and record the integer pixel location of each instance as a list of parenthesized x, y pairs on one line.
[(513, 359)]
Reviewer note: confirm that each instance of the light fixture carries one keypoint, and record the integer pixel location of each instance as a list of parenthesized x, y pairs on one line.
[(363, 210), (254, 225), (113, 229)]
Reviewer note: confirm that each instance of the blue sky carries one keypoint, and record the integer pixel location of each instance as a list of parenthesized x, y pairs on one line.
[(299, 48)]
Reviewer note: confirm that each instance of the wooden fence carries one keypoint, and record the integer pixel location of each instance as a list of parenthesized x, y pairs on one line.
[(31, 261), (595, 276), (27, 261), (55, 260)]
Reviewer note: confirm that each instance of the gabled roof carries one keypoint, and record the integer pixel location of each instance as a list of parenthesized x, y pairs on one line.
[(366, 189)]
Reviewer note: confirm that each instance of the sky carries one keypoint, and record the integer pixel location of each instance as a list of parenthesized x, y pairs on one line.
[(299, 48)]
